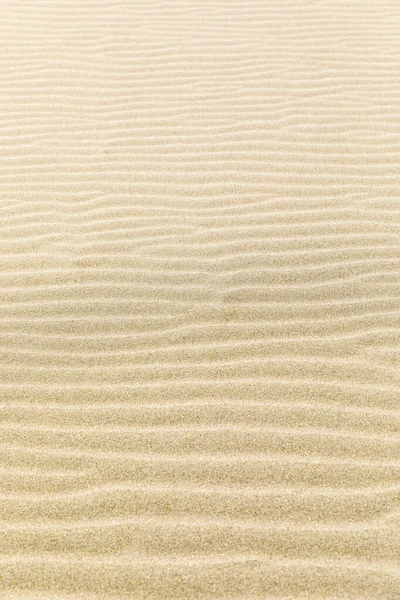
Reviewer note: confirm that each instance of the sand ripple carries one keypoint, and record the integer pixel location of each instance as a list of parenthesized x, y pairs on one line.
[(200, 300)]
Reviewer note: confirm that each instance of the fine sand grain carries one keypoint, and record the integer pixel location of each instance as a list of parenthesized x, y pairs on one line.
[(200, 300)]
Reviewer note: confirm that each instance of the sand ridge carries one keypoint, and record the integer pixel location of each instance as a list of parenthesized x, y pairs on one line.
[(200, 300)]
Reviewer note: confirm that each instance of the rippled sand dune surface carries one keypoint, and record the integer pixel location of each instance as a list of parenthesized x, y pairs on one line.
[(199, 300)]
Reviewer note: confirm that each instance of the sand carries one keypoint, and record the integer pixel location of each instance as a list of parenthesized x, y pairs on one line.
[(199, 300)]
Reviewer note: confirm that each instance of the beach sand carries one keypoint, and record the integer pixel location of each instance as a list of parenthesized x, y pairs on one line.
[(199, 300)]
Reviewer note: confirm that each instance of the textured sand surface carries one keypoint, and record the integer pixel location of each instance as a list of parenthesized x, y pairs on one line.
[(199, 300)]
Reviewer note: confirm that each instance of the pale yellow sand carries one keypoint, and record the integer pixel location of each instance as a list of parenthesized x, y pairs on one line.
[(200, 300)]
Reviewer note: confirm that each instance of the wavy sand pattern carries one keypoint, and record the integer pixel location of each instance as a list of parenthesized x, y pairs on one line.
[(200, 300)]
